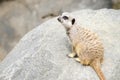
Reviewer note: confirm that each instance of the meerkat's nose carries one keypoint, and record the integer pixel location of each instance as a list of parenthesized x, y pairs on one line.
[(59, 19)]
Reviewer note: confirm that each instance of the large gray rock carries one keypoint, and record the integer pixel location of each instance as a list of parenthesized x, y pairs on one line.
[(17, 17), (41, 54)]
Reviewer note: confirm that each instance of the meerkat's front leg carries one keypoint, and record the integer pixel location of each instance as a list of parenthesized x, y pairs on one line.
[(73, 54), (78, 51)]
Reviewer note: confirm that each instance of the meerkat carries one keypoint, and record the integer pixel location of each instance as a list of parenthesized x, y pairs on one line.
[(87, 48)]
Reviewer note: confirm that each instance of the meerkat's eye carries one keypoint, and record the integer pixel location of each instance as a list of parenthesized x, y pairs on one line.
[(65, 17)]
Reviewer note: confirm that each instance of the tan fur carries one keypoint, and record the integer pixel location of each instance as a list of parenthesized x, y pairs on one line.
[(85, 45)]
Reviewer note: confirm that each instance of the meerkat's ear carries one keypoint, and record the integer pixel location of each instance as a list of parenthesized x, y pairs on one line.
[(73, 21)]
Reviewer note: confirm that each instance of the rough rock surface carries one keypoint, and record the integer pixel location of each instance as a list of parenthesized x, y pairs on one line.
[(41, 54), (19, 16)]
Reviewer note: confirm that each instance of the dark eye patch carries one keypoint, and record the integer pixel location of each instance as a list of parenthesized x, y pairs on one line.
[(65, 17)]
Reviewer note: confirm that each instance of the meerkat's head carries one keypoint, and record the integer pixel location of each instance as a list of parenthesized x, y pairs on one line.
[(67, 20)]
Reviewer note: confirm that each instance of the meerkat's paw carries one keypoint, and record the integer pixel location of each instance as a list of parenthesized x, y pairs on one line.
[(78, 59), (71, 55)]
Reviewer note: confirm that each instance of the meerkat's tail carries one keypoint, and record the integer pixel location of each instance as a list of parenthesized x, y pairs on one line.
[(96, 66)]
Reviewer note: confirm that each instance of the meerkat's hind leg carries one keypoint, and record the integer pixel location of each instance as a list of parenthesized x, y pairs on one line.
[(83, 62), (78, 59), (71, 55)]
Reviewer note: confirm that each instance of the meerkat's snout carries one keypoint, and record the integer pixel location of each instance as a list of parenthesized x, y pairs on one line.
[(59, 19)]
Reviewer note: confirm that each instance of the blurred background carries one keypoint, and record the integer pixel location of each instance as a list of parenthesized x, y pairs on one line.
[(17, 17)]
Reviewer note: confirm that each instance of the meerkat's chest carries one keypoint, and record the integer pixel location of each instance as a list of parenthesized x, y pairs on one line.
[(74, 37)]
